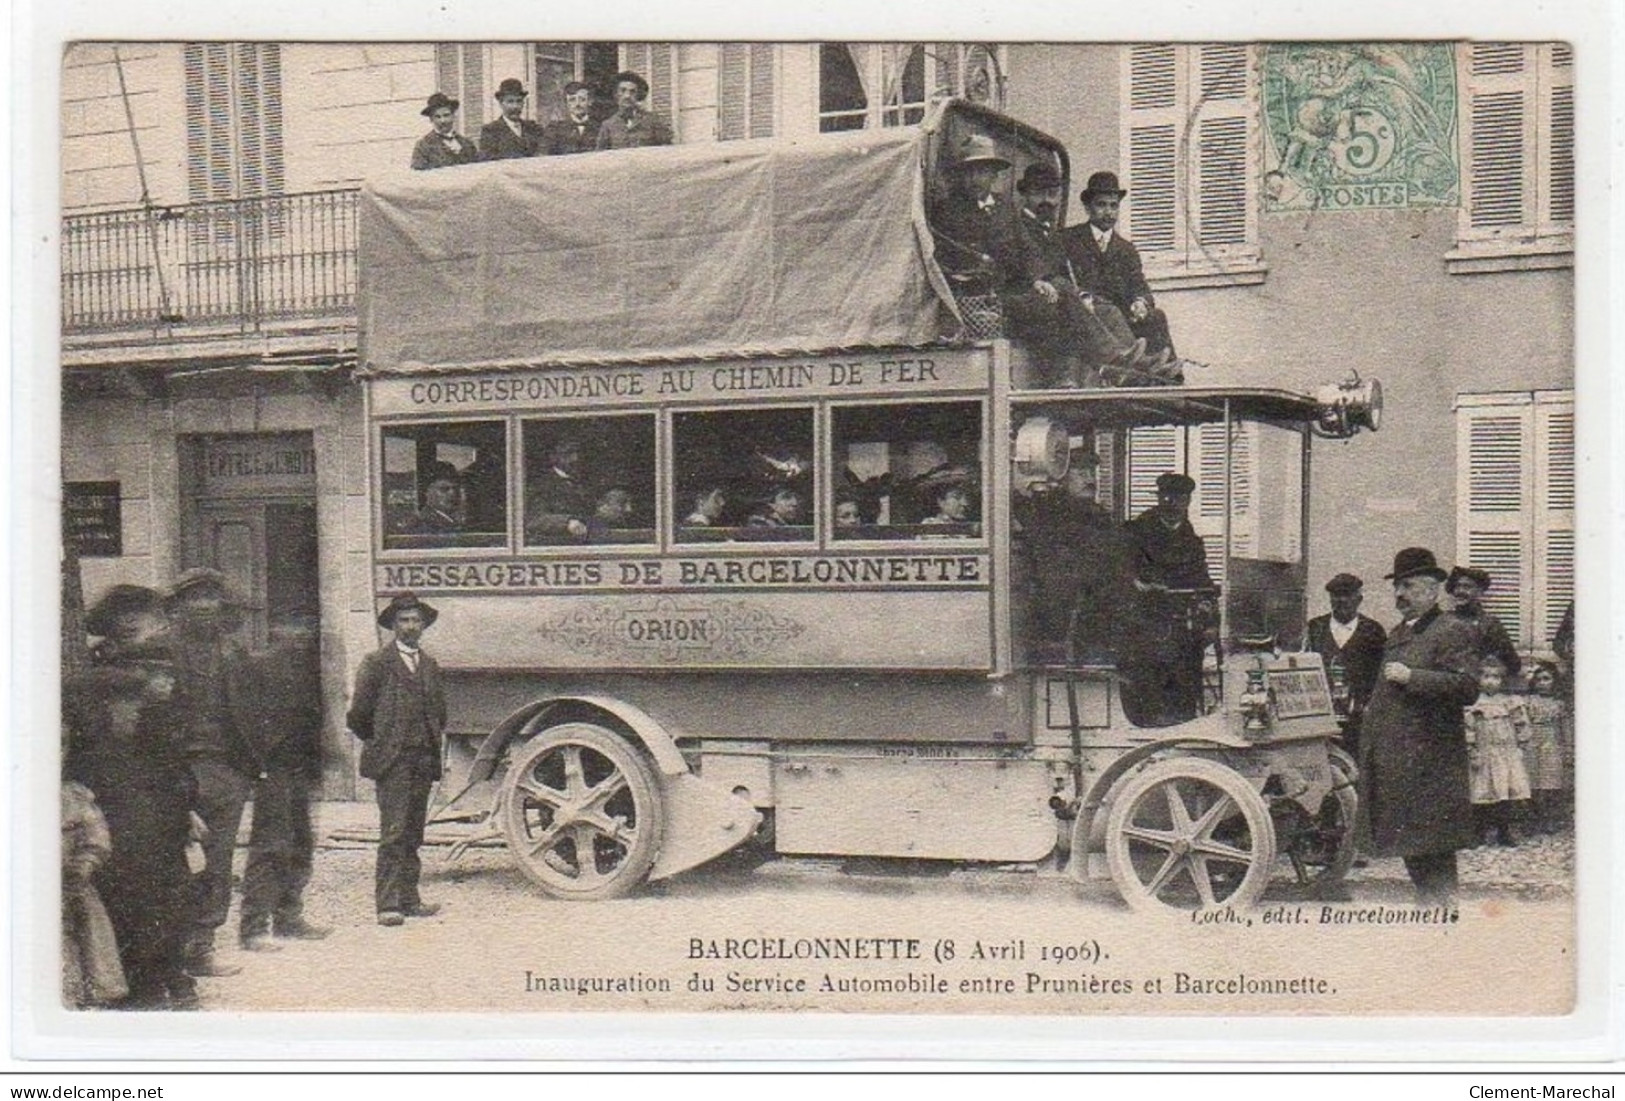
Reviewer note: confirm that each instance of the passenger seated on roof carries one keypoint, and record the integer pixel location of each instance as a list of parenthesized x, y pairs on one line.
[(1108, 265), (987, 247)]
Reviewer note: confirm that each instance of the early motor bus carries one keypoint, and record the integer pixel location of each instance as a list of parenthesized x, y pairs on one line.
[(726, 499)]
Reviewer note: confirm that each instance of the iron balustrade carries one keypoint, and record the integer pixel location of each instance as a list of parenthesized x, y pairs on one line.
[(236, 263)]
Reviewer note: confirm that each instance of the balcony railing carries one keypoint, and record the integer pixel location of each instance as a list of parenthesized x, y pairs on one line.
[(236, 264)]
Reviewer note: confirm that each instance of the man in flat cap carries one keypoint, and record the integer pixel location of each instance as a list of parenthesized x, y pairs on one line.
[(1467, 586), (399, 713), (1171, 610), (576, 132), (216, 705), (1414, 800), (510, 134), (1108, 265), (1350, 645), (442, 146), (633, 125)]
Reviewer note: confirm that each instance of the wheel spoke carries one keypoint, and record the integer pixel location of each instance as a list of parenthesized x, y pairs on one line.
[(1218, 850), (1162, 839), (1199, 875), (1178, 814), (539, 792), (543, 841), (586, 853), (612, 829), (1164, 874), (575, 778), (606, 789), (1218, 812)]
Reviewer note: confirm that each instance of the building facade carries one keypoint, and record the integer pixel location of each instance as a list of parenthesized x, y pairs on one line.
[(1303, 211)]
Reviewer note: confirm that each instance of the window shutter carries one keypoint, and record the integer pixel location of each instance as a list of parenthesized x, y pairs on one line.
[(476, 97), (1499, 101), (1150, 452), (762, 109), (209, 173), (1553, 587), (259, 114), (733, 85), (1221, 112), (1558, 148), (233, 120), (1154, 118), (1495, 450)]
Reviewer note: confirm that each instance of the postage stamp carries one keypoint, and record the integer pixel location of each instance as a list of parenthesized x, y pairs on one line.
[(756, 529), (1360, 125)]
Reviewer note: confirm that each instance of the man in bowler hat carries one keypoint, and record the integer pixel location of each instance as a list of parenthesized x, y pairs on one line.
[(1350, 644), (1414, 799), (399, 712), (1171, 607), (443, 146), (633, 125), (510, 135), (1108, 265)]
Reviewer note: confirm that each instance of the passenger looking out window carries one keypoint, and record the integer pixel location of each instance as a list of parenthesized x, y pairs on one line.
[(907, 471), (444, 485), (589, 480), (743, 475)]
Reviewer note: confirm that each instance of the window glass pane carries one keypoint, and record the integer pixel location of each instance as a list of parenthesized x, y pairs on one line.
[(842, 103), (445, 485), (743, 475), (908, 471), (589, 480)]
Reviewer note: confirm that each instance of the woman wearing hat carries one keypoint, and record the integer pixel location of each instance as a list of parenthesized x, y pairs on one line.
[(632, 125), (442, 147), (1414, 796), (510, 134)]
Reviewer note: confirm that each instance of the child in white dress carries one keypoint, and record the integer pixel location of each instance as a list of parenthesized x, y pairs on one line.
[(1497, 732)]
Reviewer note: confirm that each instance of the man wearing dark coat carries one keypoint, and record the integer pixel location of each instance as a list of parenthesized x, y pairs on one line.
[(1467, 585), (144, 789), (288, 689), (576, 132), (1108, 265), (1070, 549), (399, 713), (633, 126), (1414, 800), (442, 147), (1350, 645), (557, 500), (509, 135), (215, 708), (1165, 628)]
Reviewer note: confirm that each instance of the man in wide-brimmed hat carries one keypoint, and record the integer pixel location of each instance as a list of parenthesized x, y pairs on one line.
[(633, 125), (1164, 634), (216, 707), (128, 620), (1108, 265), (510, 134), (1414, 799), (443, 146), (399, 713), (1467, 586), (1350, 646)]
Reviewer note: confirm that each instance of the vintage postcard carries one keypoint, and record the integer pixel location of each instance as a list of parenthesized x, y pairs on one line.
[(716, 534)]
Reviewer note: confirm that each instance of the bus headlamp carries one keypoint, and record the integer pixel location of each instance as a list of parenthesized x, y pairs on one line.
[(1042, 451), (1348, 406)]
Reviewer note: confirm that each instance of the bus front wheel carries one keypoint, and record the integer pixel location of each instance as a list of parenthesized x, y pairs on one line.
[(582, 813), (1187, 833)]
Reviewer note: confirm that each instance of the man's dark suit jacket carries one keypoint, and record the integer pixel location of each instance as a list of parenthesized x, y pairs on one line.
[(381, 711), (562, 136), (1115, 275), (1361, 658), (431, 152), (498, 143)]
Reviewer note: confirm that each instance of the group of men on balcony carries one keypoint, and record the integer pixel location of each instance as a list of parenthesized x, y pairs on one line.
[(512, 135), (1076, 297)]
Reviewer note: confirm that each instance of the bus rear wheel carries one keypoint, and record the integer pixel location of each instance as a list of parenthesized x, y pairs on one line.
[(1187, 833), (582, 812)]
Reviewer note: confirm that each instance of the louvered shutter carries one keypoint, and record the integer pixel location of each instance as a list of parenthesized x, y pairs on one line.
[(1151, 451), (1154, 163), (1553, 521), (653, 61), (1495, 445), (1500, 167), (233, 120), (733, 86), (762, 112), (1557, 139), (1223, 213), (209, 167)]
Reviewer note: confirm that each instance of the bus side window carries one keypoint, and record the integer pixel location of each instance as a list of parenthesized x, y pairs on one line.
[(743, 475), (589, 480), (903, 472), (445, 485)]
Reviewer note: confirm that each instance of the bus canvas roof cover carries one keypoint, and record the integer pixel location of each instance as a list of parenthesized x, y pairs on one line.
[(725, 248)]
